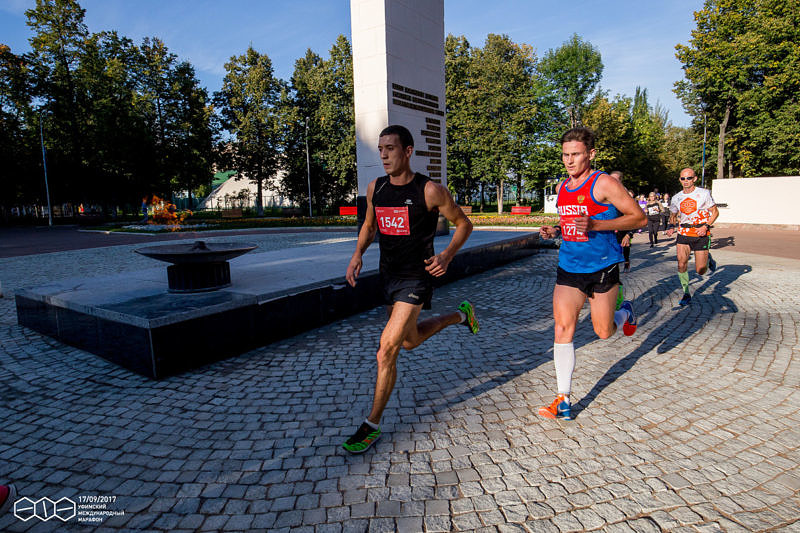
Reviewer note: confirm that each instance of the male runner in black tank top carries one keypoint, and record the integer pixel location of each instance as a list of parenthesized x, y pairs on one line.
[(404, 206)]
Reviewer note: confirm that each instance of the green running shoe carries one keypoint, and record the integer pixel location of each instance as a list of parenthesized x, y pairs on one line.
[(620, 298), (472, 320), (360, 442)]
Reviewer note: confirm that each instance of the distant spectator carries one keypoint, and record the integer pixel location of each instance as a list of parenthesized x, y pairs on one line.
[(624, 236), (653, 212), (665, 210), (642, 201)]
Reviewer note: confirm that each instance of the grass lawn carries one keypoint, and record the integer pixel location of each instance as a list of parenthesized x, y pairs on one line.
[(217, 224)]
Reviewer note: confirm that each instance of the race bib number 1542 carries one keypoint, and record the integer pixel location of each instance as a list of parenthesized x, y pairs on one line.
[(393, 220)]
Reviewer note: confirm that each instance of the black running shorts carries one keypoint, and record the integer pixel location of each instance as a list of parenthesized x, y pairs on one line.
[(697, 244), (592, 282), (411, 291)]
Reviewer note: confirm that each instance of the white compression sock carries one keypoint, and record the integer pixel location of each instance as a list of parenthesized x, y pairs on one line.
[(620, 317), (564, 358)]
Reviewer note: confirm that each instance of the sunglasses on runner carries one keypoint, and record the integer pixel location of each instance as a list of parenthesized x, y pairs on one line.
[(686, 179)]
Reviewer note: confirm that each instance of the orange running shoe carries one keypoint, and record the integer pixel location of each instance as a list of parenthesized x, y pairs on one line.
[(560, 408)]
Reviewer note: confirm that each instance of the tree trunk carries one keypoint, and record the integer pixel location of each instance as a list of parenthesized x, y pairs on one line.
[(483, 202), (721, 147), (500, 197), (519, 190), (260, 208)]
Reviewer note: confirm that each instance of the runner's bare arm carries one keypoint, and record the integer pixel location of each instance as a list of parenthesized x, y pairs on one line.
[(365, 238), (610, 191), (673, 220), (437, 196), (714, 214)]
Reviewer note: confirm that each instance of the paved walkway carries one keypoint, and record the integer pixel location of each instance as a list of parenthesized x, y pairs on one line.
[(690, 425), (19, 241)]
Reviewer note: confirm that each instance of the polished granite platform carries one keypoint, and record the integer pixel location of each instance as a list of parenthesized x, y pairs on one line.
[(132, 320)]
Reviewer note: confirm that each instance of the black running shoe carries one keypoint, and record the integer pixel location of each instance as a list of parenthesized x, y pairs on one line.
[(686, 300), (712, 265), (360, 442)]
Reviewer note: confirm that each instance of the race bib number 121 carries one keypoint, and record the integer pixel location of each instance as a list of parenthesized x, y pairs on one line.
[(393, 220)]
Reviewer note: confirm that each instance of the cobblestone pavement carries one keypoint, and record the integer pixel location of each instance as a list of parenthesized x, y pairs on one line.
[(692, 424)]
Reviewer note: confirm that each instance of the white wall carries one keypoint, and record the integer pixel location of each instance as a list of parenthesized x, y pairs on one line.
[(758, 200), (232, 187), (550, 203)]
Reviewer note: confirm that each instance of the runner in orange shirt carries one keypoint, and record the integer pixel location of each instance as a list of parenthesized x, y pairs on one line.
[(697, 211)]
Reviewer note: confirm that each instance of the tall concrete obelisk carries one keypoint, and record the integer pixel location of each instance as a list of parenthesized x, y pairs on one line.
[(398, 77)]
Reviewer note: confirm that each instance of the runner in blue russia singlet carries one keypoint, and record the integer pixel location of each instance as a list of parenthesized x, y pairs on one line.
[(592, 251)]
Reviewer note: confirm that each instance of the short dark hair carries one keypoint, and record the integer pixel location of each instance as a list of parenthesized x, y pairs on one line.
[(580, 134), (406, 139)]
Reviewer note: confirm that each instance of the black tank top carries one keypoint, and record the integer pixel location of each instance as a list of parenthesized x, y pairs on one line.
[(406, 227)]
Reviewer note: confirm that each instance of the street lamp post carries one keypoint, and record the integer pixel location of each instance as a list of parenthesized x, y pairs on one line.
[(703, 178), (308, 172), (44, 165)]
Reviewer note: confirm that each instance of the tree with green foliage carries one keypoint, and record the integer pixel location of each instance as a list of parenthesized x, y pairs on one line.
[(18, 154), (156, 103), (248, 104), (176, 115), (768, 117), (715, 69), (573, 72), (58, 45), (683, 147), (741, 69), (503, 95), (646, 153), (115, 129), (611, 122), (502, 119), (118, 120), (191, 160), (462, 179), (639, 140), (319, 109)]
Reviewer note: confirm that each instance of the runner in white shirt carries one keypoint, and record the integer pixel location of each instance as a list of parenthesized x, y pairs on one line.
[(697, 211)]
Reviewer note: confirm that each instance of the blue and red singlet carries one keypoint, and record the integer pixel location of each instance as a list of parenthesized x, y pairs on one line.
[(592, 251)]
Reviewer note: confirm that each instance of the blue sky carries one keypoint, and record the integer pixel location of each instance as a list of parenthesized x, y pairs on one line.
[(636, 38)]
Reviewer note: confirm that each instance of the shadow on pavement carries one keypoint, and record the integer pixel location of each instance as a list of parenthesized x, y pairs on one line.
[(512, 341), (675, 330), (723, 242), (470, 373)]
